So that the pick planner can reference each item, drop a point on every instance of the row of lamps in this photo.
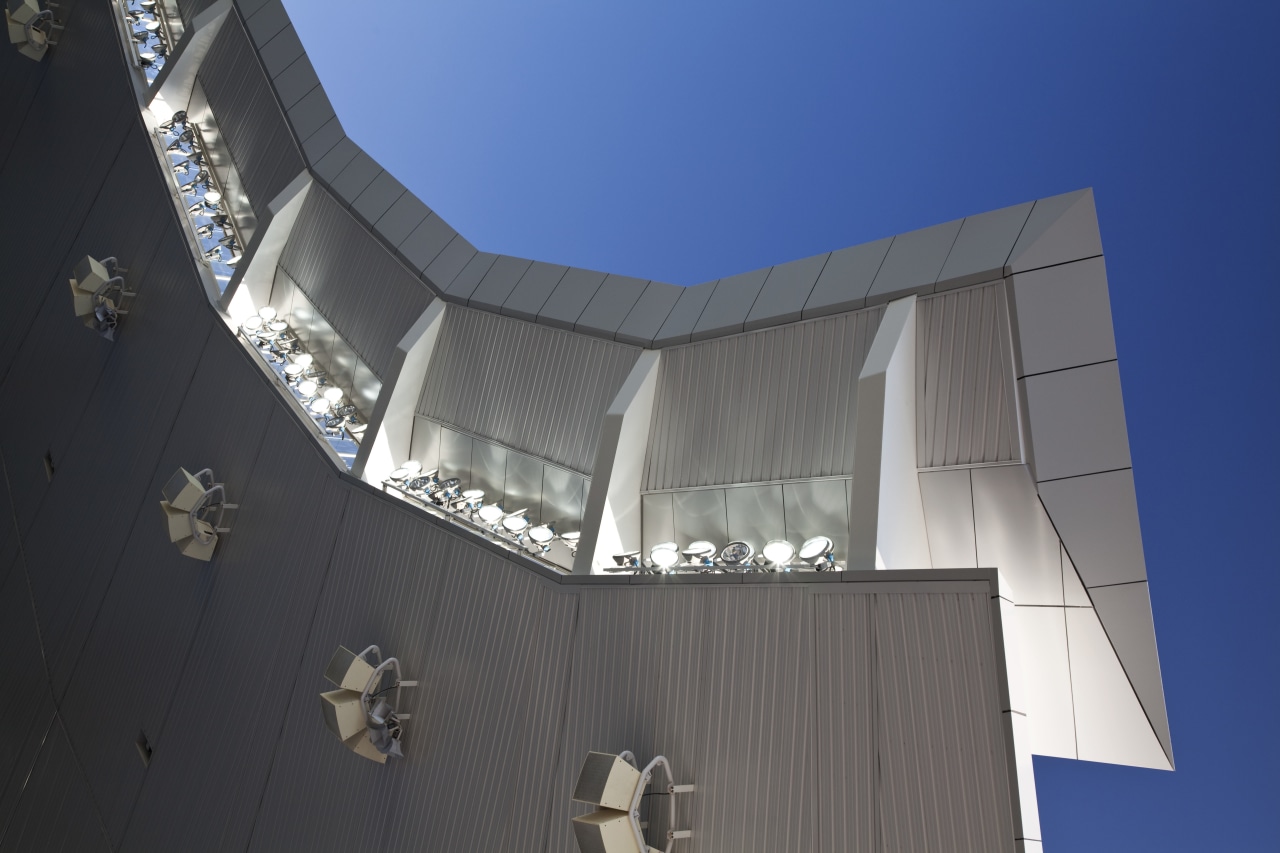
(778, 555)
(507, 526)
(147, 26)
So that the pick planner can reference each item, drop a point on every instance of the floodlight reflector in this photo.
(607, 781)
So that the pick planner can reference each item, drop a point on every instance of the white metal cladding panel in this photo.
(534, 389)
(56, 352)
(352, 280)
(943, 771)
(157, 597)
(56, 810)
(211, 763)
(108, 468)
(488, 644)
(846, 784)
(245, 108)
(771, 405)
(964, 379)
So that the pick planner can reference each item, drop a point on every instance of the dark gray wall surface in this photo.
(530, 388)
(776, 404)
(352, 280)
(253, 129)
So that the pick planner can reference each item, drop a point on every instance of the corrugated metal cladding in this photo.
(528, 387)
(252, 125)
(352, 280)
(55, 811)
(939, 708)
(231, 698)
(964, 379)
(810, 720)
(777, 404)
(188, 9)
(488, 643)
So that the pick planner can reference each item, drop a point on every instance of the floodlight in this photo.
(320, 405)
(515, 523)
(664, 555)
(817, 552)
(606, 781)
(490, 514)
(213, 197)
(303, 359)
(359, 713)
(343, 712)
(348, 670)
(333, 394)
(615, 785)
(307, 387)
(267, 313)
(200, 503)
(628, 559)
(779, 551)
(183, 491)
(737, 554)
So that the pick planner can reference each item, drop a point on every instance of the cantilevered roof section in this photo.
(1067, 474)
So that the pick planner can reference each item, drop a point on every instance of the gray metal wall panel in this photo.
(58, 352)
(524, 298)
(610, 305)
(624, 696)
(253, 128)
(56, 810)
(939, 708)
(503, 275)
(730, 303)
(189, 9)
(114, 690)
(567, 302)
(846, 775)
(488, 644)
(25, 702)
(914, 261)
(26, 740)
(644, 321)
(785, 292)
(678, 327)
(530, 388)
(818, 508)
(769, 405)
(361, 289)
(81, 93)
(964, 379)
(202, 792)
(150, 370)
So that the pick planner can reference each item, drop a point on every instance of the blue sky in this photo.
(687, 141)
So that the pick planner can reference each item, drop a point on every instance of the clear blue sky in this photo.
(686, 141)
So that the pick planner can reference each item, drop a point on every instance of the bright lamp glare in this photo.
(779, 551)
